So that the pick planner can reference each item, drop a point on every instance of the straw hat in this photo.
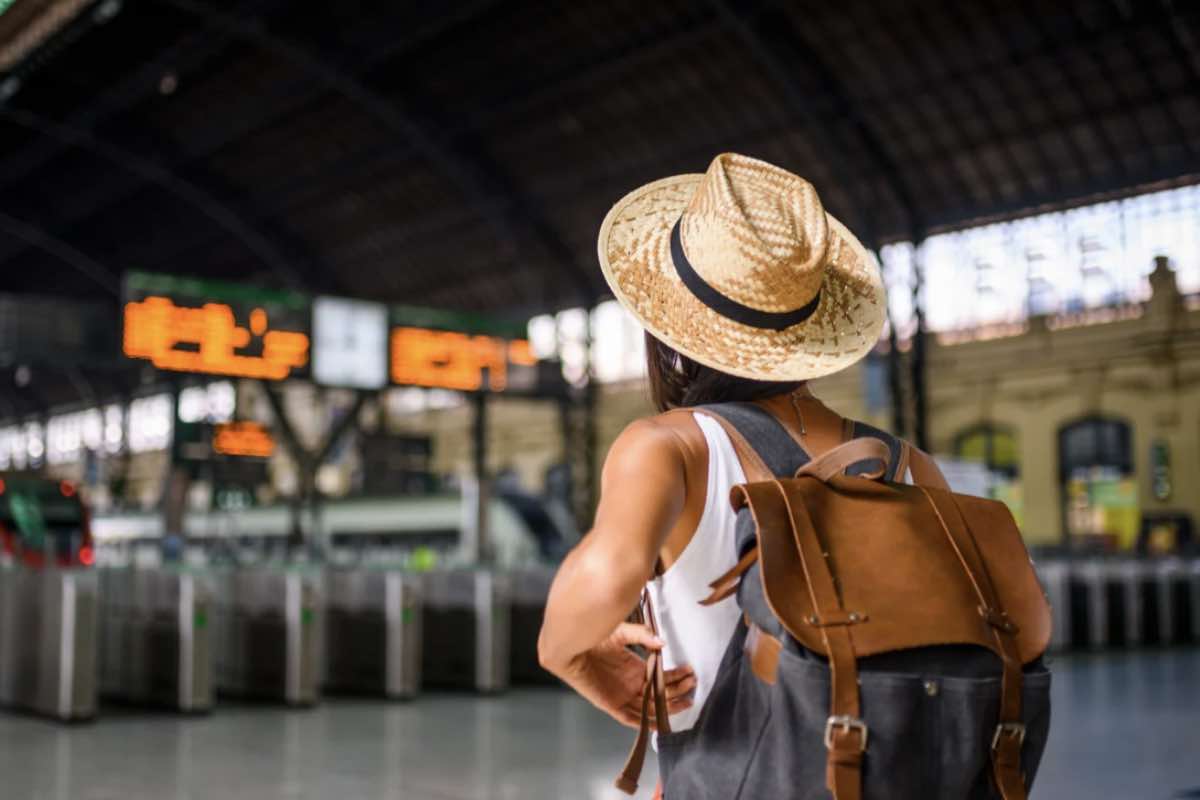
(742, 270)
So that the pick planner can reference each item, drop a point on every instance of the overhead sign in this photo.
(452, 360)
(350, 340)
(199, 442)
(457, 321)
(243, 439)
(206, 327)
(189, 325)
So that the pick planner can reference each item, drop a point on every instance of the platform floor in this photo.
(1126, 726)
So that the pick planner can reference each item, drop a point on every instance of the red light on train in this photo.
(2, 486)
(67, 489)
(86, 556)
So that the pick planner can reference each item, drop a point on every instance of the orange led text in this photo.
(243, 439)
(448, 360)
(155, 327)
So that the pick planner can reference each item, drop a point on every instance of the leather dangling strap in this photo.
(727, 583)
(845, 732)
(836, 461)
(653, 690)
(1010, 730)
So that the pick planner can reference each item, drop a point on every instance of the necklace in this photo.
(799, 414)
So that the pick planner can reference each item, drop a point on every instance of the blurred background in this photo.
(307, 368)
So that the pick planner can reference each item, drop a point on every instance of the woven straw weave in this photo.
(760, 236)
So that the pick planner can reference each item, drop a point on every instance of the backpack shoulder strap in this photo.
(764, 446)
(905, 457)
(925, 471)
(897, 461)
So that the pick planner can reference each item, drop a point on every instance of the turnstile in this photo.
(1192, 579)
(265, 633)
(1175, 613)
(48, 641)
(465, 630)
(530, 588)
(1090, 604)
(1055, 577)
(372, 632)
(1124, 602)
(155, 643)
(1139, 596)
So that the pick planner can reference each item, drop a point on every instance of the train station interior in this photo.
(309, 370)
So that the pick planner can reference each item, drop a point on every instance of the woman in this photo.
(747, 289)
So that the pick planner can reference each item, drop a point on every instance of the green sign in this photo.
(1160, 469)
(462, 322)
(27, 514)
(146, 283)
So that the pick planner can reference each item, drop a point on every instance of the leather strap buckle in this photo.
(847, 723)
(1016, 729)
(998, 619)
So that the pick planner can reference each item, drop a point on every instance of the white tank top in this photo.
(693, 634)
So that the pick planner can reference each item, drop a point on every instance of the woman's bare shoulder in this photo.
(672, 436)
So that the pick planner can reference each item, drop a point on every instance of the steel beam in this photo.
(782, 63)
(151, 171)
(1160, 95)
(36, 237)
(931, 123)
(1178, 172)
(918, 365)
(481, 183)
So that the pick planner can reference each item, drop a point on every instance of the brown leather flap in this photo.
(901, 583)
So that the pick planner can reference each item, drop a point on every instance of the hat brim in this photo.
(635, 254)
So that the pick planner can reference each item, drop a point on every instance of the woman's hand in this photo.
(612, 677)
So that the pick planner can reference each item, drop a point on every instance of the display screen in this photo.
(207, 327)
(217, 329)
(451, 360)
(243, 439)
(350, 343)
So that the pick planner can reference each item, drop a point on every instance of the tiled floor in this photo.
(1125, 726)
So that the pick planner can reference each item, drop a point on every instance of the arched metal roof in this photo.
(463, 154)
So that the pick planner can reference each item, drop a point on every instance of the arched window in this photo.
(995, 447)
(1095, 463)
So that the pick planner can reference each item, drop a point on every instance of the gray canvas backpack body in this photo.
(845, 695)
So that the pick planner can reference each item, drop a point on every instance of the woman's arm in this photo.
(641, 496)
(584, 634)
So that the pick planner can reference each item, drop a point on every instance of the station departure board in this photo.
(447, 350)
(208, 327)
(214, 328)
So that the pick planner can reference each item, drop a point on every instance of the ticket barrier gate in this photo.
(1192, 582)
(48, 641)
(372, 632)
(530, 588)
(155, 638)
(1123, 602)
(1055, 577)
(466, 630)
(266, 633)
(1178, 594)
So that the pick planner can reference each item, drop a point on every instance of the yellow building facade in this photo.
(1135, 367)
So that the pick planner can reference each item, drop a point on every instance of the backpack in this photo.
(893, 637)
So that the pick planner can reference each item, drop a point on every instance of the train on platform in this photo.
(430, 530)
(44, 522)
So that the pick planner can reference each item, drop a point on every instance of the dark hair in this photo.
(677, 381)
